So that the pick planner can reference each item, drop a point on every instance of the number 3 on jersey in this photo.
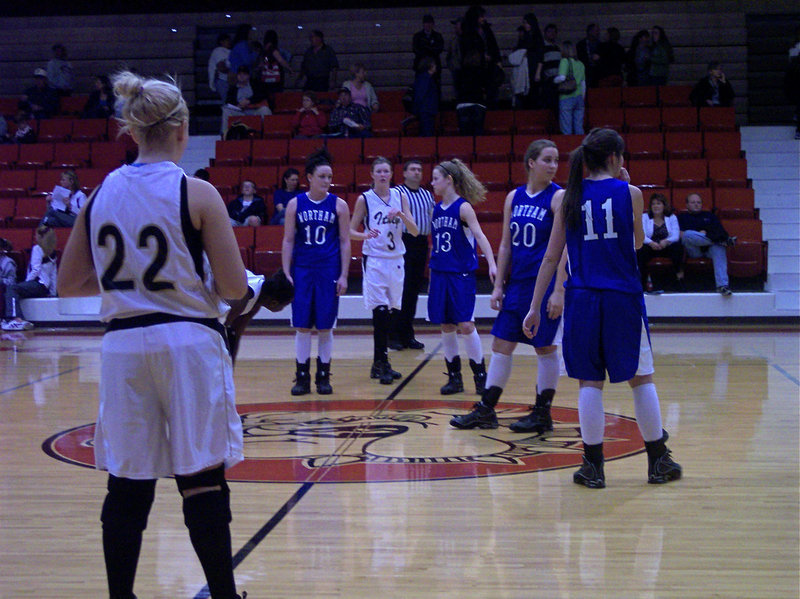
(108, 278)
(587, 213)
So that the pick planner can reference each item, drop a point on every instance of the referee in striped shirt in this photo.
(421, 203)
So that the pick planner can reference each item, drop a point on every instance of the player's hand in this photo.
(393, 213)
(492, 272)
(371, 233)
(289, 277)
(530, 325)
(555, 304)
(624, 174)
(496, 299)
(341, 285)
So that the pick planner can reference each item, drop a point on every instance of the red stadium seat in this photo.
(493, 148)
(642, 120)
(674, 95)
(604, 97)
(31, 207)
(344, 151)
(611, 118)
(418, 148)
(491, 210)
(461, 147)
(448, 122)
(499, 122)
(46, 180)
(717, 118)
(688, 173)
(391, 100)
(90, 178)
(648, 173)
(266, 178)
(493, 175)
(33, 156)
(300, 149)
(646, 95)
(17, 183)
(7, 206)
(566, 144)
(679, 118)
(728, 172)
(683, 144)
(644, 145)
(9, 153)
(254, 122)
(722, 144)
(52, 130)
(270, 151)
(735, 202)
(747, 259)
(277, 126)
(533, 122)
(233, 152)
(89, 129)
(225, 178)
(107, 154)
(71, 155)
(388, 147)
(268, 249)
(387, 124)
(750, 229)
(72, 105)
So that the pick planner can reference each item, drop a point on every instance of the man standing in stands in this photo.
(428, 42)
(421, 203)
(319, 67)
(550, 62)
(59, 71)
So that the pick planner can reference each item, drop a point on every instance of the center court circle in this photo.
(357, 441)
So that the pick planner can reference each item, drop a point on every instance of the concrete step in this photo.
(779, 215)
(784, 247)
(765, 199)
(782, 186)
(774, 172)
(783, 281)
(782, 264)
(788, 160)
(777, 133)
(788, 301)
(772, 147)
(781, 231)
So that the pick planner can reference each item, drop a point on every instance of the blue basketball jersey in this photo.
(530, 227)
(316, 240)
(453, 242)
(601, 252)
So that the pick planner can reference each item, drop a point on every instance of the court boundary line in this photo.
(318, 474)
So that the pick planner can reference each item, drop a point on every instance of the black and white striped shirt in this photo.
(421, 202)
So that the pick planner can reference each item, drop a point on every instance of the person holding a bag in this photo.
(571, 84)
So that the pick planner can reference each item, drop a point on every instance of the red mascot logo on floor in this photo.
(345, 441)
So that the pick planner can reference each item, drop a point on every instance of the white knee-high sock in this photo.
(548, 371)
(449, 345)
(302, 346)
(590, 415)
(499, 370)
(472, 343)
(648, 411)
(325, 345)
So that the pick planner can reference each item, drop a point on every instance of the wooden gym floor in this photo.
(369, 492)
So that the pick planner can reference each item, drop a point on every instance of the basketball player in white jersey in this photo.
(158, 247)
(382, 211)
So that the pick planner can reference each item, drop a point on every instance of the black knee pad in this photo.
(209, 507)
(128, 502)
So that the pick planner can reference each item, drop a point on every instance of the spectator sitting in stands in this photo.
(242, 99)
(24, 133)
(60, 72)
(219, 67)
(309, 121)
(662, 239)
(64, 202)
(318, 70)
(349, 119)
(100, 104)
(426, 97)
(290, 187)
(40, 99)
(249, 209)
(712, 90)
(40, 282)
(8, 269)
(361, 90)
(701, 232)
(203, 174)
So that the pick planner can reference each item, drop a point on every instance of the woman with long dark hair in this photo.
(599, 219)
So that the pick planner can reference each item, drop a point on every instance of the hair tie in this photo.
(140, 91)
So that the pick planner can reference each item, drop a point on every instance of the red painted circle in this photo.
(380, 441)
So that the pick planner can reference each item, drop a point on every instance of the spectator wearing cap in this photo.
(60, 73)
(40, 100)
(427, 42)
(349, 119)
(320, 65)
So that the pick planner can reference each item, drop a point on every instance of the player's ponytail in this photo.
(151, 108)
(594, 152)
(465, 182)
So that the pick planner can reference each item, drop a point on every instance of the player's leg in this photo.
(660, 466)
(472, 343)
(539, 418)
(440, 312)
(207, 515)
(124, 517)
(483, 413)
(322, 379)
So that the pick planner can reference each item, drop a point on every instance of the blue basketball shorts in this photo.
(451, 297)
(315, 301)
(516, 303)
(606, 331)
